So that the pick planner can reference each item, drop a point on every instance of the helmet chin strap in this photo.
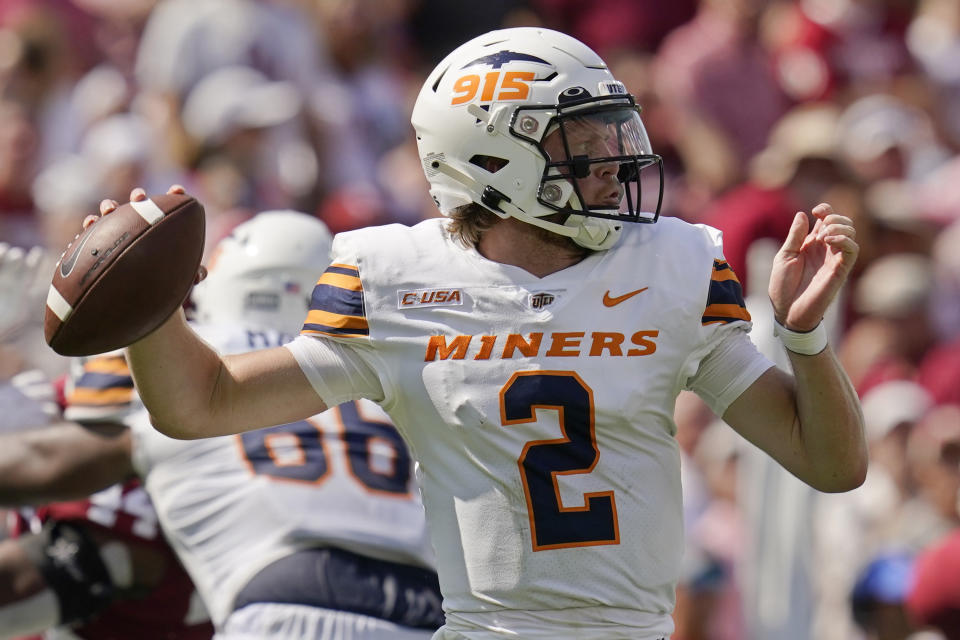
(592, 233)
(586, 232)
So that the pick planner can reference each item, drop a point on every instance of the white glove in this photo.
(25, 276)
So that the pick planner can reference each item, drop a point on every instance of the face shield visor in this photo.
(595, 151)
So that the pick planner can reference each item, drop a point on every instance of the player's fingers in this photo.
(176, 188)
(798, 230)
(106, 206)
(846, 245)
(89, 220)
(138, 194)
(822, 210)
(837, 218)
(837, 230)
(11, 255)
(201, 275)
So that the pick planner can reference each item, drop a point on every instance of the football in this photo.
(124, 275)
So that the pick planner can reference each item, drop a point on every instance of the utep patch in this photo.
(413, 298)
(542, 299)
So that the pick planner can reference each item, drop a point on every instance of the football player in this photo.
(89, 566)
(313, 529)
(530, 348)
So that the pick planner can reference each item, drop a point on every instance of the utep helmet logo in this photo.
(495, 84)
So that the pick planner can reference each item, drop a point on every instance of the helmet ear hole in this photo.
(489, 163)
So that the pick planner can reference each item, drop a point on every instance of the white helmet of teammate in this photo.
(262, 275)
(483, 114)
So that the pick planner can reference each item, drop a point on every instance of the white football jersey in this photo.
(232, 505)
(540, 410)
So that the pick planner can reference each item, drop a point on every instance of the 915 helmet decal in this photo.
(522, 121)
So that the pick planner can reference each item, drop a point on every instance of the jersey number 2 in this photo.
(554, 526)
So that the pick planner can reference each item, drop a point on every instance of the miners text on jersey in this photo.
(565, 344)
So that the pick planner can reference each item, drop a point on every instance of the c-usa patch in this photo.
(439, 297)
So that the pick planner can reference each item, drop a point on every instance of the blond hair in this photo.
(468, 222)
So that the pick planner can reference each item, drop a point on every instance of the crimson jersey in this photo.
(172, 610)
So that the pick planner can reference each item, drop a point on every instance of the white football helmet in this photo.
(261, 276)
(485, 111)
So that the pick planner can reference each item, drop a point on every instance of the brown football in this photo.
(124, 275)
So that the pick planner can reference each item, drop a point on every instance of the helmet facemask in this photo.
(594, 150)
(595, 139)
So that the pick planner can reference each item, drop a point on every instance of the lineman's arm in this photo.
(810, 422)
(63, 461)
(27, 606)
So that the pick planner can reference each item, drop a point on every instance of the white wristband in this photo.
(808, 343)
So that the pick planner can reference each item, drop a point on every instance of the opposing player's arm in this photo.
(193, 392)
(27, 606)
(70, 572)
(809, 422)
(64, 461)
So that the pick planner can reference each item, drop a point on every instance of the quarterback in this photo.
(530, 347)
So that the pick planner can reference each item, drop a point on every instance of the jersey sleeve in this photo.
(334, 349)
(726, 361)
(725, 302)
(728, 370)
(336, 305)
(100, 389)
(337, 371)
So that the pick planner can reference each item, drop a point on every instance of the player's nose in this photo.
(605, 169)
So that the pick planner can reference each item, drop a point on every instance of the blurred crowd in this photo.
(760, 108)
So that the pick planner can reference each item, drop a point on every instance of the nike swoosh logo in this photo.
(612, 302)
(68, 263)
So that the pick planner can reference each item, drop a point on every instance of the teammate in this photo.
(308, 530)
(530, 348)
(300, 531)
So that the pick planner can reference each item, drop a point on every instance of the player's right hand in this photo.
(137, 194)
(108, 205)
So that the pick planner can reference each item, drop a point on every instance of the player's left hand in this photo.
(811, 266)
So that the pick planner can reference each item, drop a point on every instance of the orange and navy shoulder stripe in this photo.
(725, 296)
(105, 382)
(336, 307)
